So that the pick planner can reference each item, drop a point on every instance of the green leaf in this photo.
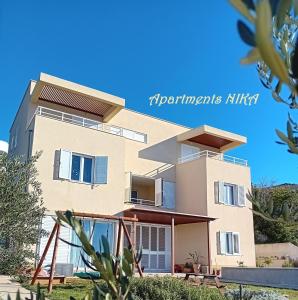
(242, 8)
(246, 33)
(295, 4)
(252, 56)
(105, 244)
(278, 87)
(290, 131)
(264, 42)
(282, 10)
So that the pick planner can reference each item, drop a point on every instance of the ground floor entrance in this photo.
(156, 246)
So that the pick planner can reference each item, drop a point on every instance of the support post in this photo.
(134, 226)
(132, 249)
(208, 245)
(52, 272)
(173, 246)
(44, 254)
(118, 238)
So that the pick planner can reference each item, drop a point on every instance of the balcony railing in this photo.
(88, 123)
(213, 155)
(142, 201)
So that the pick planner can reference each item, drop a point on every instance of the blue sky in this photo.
(135, 49)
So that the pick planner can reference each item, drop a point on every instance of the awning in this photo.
(212, 137)
(62, 92)
(159, 216)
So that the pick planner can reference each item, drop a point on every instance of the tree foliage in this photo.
(275, 211)
(272, 36)
(20, 212)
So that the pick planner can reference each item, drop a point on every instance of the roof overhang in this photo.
(159, 216)
(212, 137)
(55, 90)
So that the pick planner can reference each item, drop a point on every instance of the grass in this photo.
(78, 288)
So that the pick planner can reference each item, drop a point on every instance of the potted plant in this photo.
(187, 267)
(195, 257)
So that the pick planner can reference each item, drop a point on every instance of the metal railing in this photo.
(88, 123)
(142, 201)
(213, 155)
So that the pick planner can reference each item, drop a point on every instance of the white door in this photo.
(155, 240)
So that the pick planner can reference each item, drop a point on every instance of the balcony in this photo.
(213, 155)
(144, 190)
(91, 124)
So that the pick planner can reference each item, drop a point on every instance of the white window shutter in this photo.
(222, 242)
(127, 186)
(65, 164)
(236, 243)
(101, 170)
(221, 192)
(168, 194)
(216, 191)
(241, 196)
(235, 194)
(158, 192)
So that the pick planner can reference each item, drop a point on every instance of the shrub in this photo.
(168, 288)
(295, 263)
(253, 295)
(287, 264)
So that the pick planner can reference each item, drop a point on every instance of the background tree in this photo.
(21, 212)
(275, 211)
(272, 35)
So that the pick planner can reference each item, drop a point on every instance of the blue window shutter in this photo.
(65, 164)
(101, 170)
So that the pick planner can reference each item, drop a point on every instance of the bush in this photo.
(168, 288)
(295, 263)
(253, 295)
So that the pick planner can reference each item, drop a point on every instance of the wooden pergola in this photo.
(172, 218)
(132, 215)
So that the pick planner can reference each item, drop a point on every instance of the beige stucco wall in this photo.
(277, 249)
(188, 239)
(230, 218)
(191, 187)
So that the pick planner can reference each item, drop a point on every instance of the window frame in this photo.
(233, 186)
(231, 243)
(82, 162)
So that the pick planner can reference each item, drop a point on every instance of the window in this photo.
(81, 168)
(229, 194)
(228, 243)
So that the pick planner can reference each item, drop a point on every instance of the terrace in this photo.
(91, 124)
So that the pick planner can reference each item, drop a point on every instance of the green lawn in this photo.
(78, 288)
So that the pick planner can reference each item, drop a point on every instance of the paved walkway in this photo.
(9, 286)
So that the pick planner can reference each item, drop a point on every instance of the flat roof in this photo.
(56, 90)
(212, 137)
(161, 216)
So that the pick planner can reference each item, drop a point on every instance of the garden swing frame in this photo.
(56, 233)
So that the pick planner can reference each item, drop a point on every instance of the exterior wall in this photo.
(22, 126)
(190, 238)
(277, 249)
(63, 194)
(191, 187)
(230, 218)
